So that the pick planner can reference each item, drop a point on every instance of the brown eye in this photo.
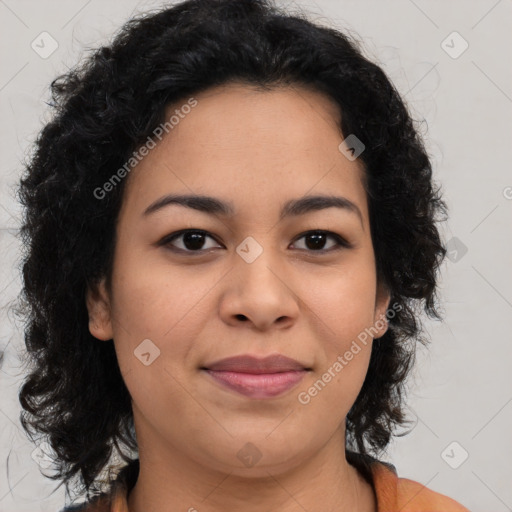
(193, 240)
(316, 240)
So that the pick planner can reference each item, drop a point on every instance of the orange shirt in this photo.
(394, 494)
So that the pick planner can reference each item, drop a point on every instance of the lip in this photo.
(262, 385)
(246, 363)
(256, 377)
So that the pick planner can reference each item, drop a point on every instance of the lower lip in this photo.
(265, 385)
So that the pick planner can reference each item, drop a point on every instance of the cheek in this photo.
(343, 305)
(157, 310)
(345, 356)
(152, 297)
(325, 400)
(152, 336)
(342, 301)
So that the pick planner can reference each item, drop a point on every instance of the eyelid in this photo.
(341, 242)
(167, 239)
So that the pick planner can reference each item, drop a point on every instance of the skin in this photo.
(257, 150)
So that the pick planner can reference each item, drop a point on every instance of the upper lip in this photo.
(257, 365)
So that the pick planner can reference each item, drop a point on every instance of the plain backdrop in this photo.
(448, 60)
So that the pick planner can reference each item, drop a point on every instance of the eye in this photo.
(193, 240)
(317, 240)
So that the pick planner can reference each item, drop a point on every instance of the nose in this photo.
(260, 292)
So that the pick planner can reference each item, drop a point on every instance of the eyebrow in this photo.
(218, 208)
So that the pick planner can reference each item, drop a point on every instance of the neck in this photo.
(170, 480)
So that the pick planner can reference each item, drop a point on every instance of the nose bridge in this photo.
(250, 250)
(257, 260)
(259, 269)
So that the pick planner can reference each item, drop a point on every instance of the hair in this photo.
(104, 109)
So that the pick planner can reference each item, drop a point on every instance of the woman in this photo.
(230, 223)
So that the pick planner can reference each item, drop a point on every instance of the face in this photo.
(251, 281)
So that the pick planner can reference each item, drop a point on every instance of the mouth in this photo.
(255, 377)
(262, 385)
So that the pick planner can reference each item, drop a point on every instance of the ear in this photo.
(98, 306)
(382, 300)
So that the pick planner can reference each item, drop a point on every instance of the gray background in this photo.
(461, 389)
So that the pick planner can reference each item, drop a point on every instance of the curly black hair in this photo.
(104, 109)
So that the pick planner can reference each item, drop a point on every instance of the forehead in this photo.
(255, 145)
(238, 104)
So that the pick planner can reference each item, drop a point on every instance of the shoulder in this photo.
(415, 497)
(402, 494)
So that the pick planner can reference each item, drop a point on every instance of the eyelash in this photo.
(341, 242)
